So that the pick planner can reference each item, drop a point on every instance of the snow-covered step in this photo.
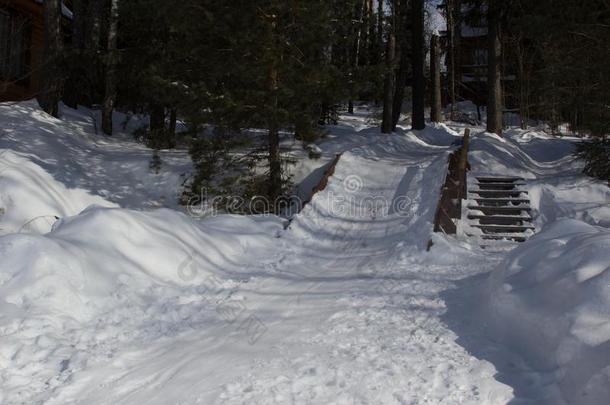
(498, 179)
(498, 210)
(515, 237)
(495, 202)
(500, 219)
(497, 228)
(498, 186)
(498, 193)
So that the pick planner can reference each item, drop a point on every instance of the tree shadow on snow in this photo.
(463, 317)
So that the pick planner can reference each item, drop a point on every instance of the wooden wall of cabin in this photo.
(26, 86)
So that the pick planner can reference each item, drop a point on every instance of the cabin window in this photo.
(14, 47)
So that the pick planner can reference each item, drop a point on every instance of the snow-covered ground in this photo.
(123, 302)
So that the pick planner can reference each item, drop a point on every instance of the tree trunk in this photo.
(112, 57)
(388, 86)
(403, 68)
(522, 80)
(454, 30)
(275, 167)
(419, 78)
(356, 58)
(275, 164)
(53, 45)
(494, 71)
(372, 37)
(399, 91)
(379, 32)
(94, 25)
(451, 51)
(79, 23)
(157, 126)
(171, 132)
(457, 50)
(363, 54)
(435, 78)
(73, 86)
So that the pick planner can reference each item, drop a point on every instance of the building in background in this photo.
(471, 60)
(21, 47)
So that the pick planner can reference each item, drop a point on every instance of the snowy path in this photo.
(349, 310)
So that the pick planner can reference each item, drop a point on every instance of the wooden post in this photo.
(463, 163)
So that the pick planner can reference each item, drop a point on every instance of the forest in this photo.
(224, 67)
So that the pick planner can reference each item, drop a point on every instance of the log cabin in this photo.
(21, 47)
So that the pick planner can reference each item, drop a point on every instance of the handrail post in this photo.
(463, 162)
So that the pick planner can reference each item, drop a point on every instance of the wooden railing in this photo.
(453, 191)
(321, 185)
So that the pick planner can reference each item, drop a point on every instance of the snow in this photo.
(126, 299)
(54, 167)
(550, 300)
(32, 200)
(112, 275)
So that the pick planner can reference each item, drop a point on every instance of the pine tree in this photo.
(419, 78)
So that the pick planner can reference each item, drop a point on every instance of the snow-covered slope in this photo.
(122, 303)
(550, 301)
(53, 159)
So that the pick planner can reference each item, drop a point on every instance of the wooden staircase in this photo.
(498, 210)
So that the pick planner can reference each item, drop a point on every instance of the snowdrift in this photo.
(31, 199)
(110, 275)
(550, 301)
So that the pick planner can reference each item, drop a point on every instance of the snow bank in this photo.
(31, 199)
(109, 275)
(550, 301)
(48, 156)
(439, 134)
